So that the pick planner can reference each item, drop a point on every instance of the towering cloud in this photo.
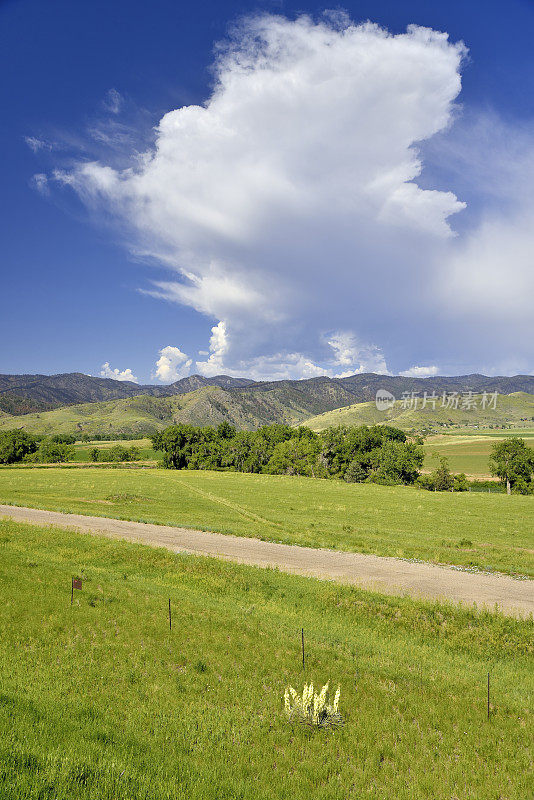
(117, 374)
(287, 206)
(172, 364)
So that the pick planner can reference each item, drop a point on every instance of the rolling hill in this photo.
(516, 409)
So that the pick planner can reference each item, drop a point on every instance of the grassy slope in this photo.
(101, 702)
(489, 531)
(147, 453)
(130, 415)
(467, 453)
(515, 409)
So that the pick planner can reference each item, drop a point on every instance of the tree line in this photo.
(381, 454)
(18, 445)
(378, 454)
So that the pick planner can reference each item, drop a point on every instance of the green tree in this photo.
(50, 452)
(513, 462)
(296, 456)
(442, 477)
(63, 438)
(94, 453)
(397, 462)
(460, 483)
(16, 445)
(177, 443)
(116, 453)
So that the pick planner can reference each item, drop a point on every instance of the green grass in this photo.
(488, 531)
(468, 453)
(147, 453)
(100, 701)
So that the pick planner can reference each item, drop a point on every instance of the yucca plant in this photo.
(313, 709)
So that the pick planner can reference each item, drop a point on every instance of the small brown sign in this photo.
(76, 583)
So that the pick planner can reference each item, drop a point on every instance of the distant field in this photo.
(469, 453)
(147, 453)
(515, 409)
(487, 531)
(100, 701)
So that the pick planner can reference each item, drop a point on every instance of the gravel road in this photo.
(389, 575)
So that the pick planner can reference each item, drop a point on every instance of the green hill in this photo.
(132, 415)
(516, 410)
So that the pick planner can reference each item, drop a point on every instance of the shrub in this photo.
(313, 709)
(460, 483)
(426, 482)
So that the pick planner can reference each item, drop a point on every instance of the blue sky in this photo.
(223, 256)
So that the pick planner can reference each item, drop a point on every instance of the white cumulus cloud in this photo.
(117, 374)
(214, 365)
(288, 204)
(172, 364)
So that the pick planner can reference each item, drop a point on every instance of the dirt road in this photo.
(389, 575)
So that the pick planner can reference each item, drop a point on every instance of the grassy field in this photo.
(515, 409)
(100, 701)
(468, 453)
(491, 532)
(147, 453)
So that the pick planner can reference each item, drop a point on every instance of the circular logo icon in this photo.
(384, 400)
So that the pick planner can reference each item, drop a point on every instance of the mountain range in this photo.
(22, 394)
(78, 403)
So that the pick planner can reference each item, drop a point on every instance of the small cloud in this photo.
(40, 182)
(113, 101)
(117, 374)
(36, 144)
(172, 364)
(420, 372)
(218, 348)
(355, 356)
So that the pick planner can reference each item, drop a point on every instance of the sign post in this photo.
(75, 584)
